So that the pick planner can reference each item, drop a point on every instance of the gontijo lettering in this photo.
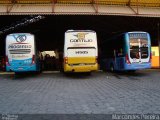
(80, 40)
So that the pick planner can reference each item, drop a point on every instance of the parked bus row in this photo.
(129, 51)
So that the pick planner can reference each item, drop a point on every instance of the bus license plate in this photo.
(134, 59)
(20, 68)
(81, 64)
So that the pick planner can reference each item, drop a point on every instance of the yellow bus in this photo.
(155, 57)
(80, 51)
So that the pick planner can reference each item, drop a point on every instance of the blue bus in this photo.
(21, 54)
(129, 51)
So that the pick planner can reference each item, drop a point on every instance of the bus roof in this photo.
(123, 33)
(80, 31)
(137, 32)
(19, 33)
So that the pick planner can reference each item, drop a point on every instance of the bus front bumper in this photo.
(80, 68)
(137, 66)
(21, 68)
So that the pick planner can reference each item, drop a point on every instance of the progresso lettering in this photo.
(80, 40)
(19, 46)
(81, 52)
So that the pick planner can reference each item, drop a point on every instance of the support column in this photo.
(158, 37)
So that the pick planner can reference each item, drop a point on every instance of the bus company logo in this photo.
(81, 38)
(21, 38)
(81, 35)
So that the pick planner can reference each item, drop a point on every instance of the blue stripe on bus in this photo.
(21, 65)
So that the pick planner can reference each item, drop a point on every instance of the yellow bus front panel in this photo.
(155, 57)
(81, 64)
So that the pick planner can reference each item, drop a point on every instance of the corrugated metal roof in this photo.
(74, 8)
(95, 7)
(149, 3)
(25, 9)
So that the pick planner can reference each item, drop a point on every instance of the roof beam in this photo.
(137, 9)
(137, 2)
(95, 6)
(129, 3)
(53, 5)
(9, 7)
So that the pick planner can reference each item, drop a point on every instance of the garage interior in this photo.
(49, 31)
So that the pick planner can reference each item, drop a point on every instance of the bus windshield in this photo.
(20, 46)
(138, 45)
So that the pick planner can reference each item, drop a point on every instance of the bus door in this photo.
(139, 51)
(119, 59)
(115, 59)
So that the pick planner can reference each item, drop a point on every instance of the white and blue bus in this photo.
(21, 55)
(129, 51)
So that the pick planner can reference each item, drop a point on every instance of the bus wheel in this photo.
(111, 68)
